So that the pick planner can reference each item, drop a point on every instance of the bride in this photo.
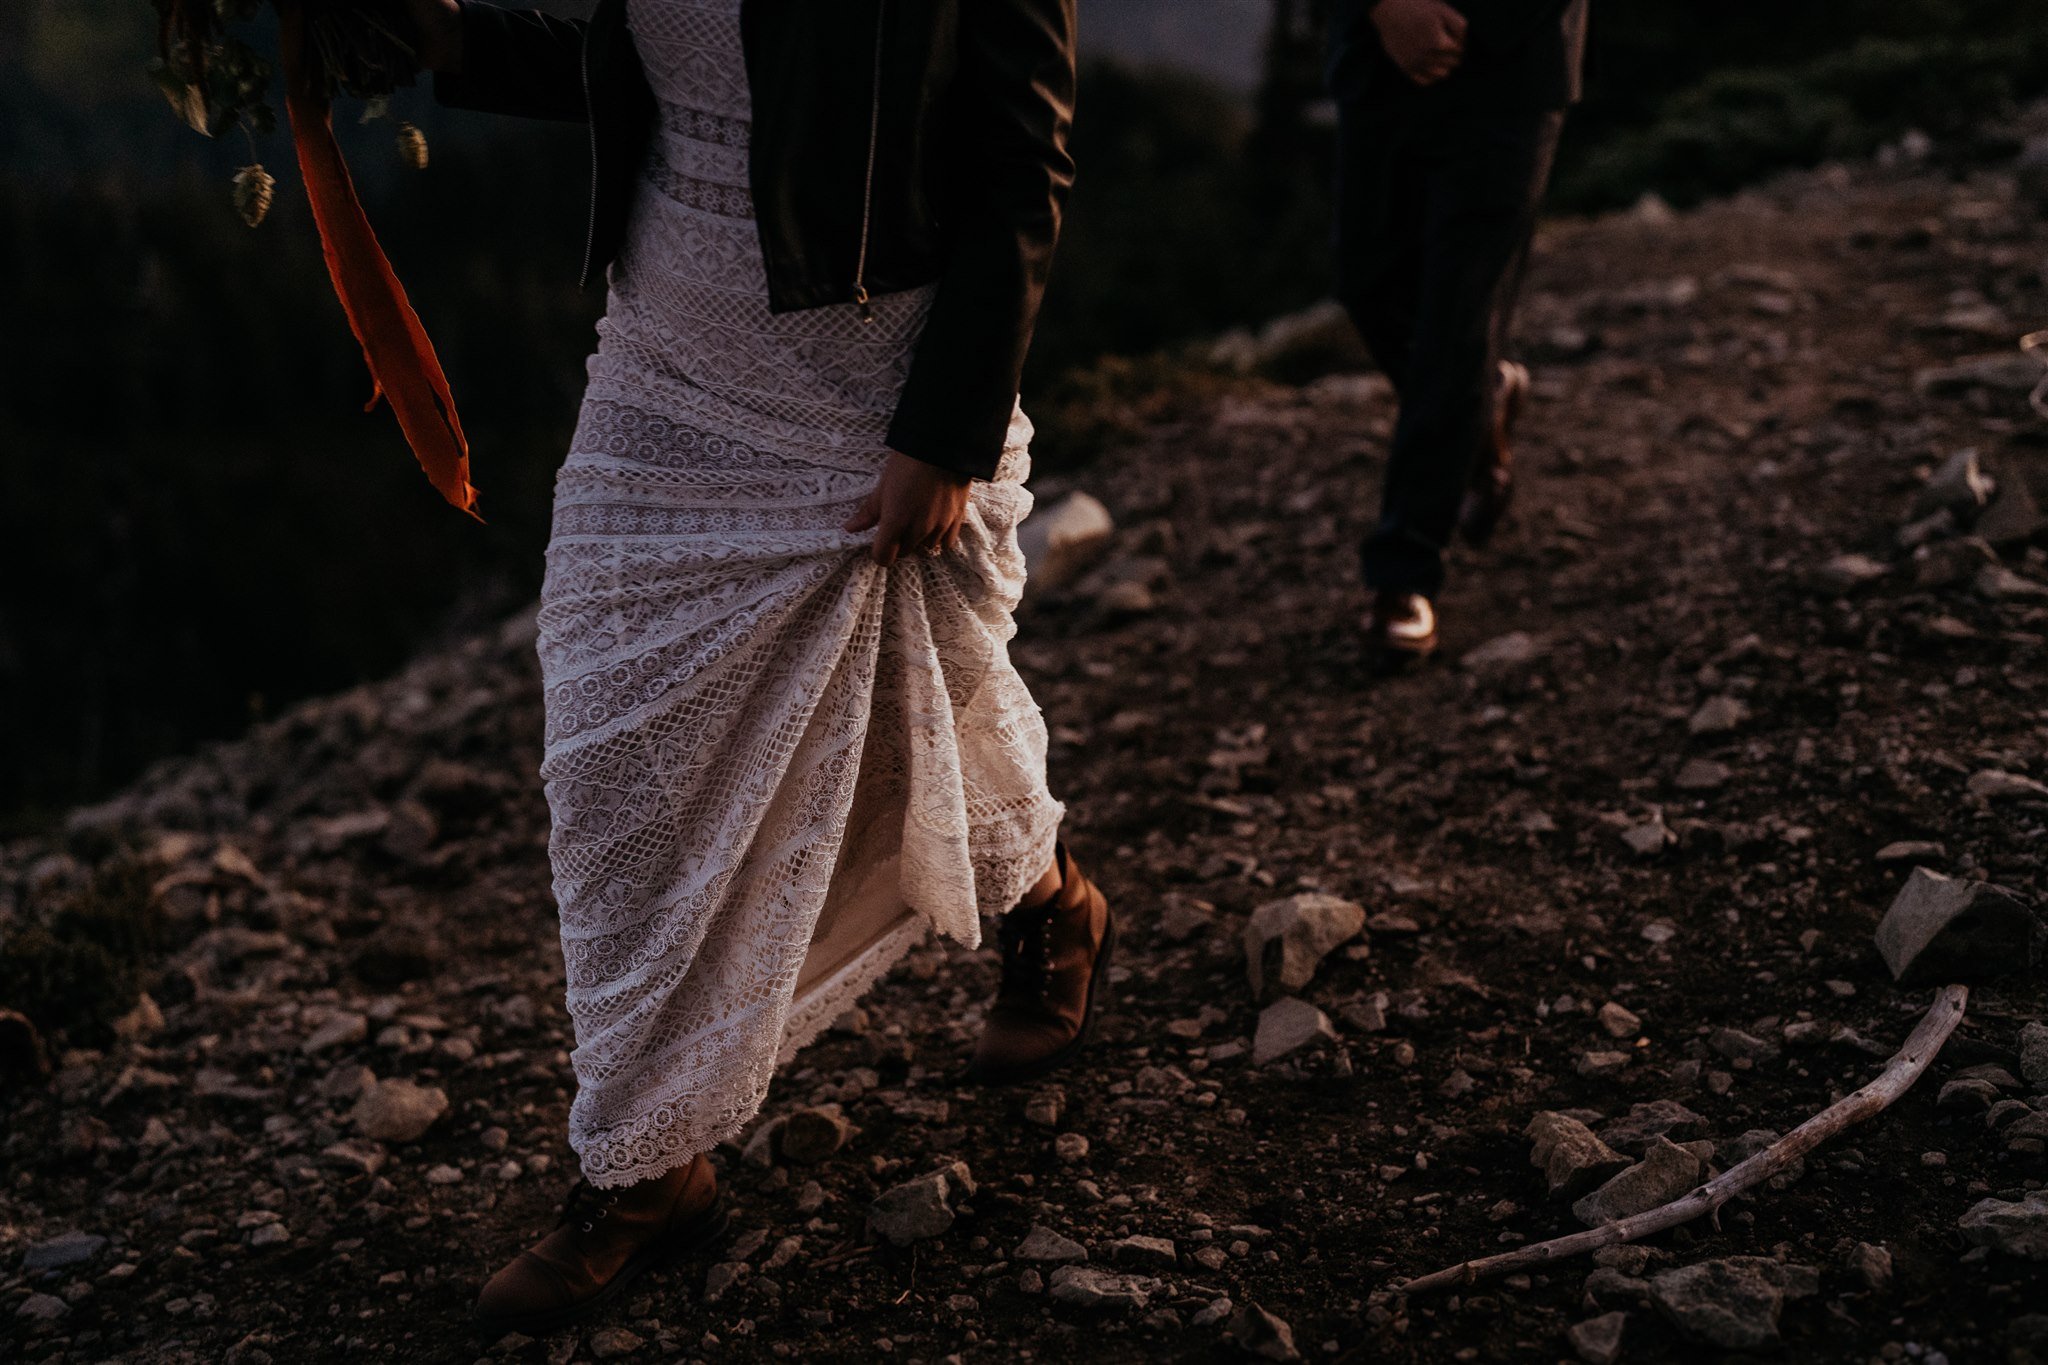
(784, 736)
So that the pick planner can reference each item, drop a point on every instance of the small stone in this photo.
(1872, 1267)
(366, 1158)
(1665, 1172)
(1043, 1244)
(339, 1029)
(1288, 1025)
(1571, 1158)
(1045, 1107)
(1966, 1093)
(1995, 785)
(611, 1343)
(1742, 1048)
(1996, 583)
(1940, 930)
(269, 1235)
(1259, 1333)
(2016, 1227)
(1620, 1021)
(65, 1249)
(1600, 1065)
(398, 1111)
(763, 1143)
(1070, 1147)
(1086, 1287)
(719, 1280)
(1845, 573)
(42, 1308)
(444, 1174)
(1287, 940)
(812, 1135)
(2034, 1054)
(1911, 851)
(1733, 1303)
(1649, 838)
(1141, 1250)
(1718, 716)
(1703, 775)
(1598, 1340)
(1516, 649)
(1060, 542)
(920, 1209)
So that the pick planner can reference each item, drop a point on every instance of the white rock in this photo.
(398, 1111)
(1287, 940)
(1061, 541)
(1993, 784)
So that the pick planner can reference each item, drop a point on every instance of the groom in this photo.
(1448, 120)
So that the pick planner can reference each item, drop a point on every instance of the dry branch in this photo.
(1898, 1076)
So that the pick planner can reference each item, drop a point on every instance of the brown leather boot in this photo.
(604, 1241)
(1400, 629)
(1055, 979)
(1493, 482)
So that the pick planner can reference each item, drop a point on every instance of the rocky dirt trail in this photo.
(1603, 884)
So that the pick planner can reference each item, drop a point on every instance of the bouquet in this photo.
(364, 49)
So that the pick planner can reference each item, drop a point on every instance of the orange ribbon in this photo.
(402, 362)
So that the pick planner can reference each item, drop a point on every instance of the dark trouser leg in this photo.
(1380, 203)
(1478, 180)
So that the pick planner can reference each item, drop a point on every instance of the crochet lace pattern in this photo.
(751, 726)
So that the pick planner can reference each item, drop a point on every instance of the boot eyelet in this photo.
(588, 1228)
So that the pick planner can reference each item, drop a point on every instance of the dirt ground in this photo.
(1726, 402)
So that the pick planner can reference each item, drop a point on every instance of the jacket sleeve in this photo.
(1014, 102)
(518, 62)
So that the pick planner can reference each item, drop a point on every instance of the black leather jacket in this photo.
(895, 143)
(1519, 54)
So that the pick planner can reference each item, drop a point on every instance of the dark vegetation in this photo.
(196, 524)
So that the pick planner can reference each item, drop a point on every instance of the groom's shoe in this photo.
(1493, 482)
(1055, 980)
(604, 1241)
(1400, 630)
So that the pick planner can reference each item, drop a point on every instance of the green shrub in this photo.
(81, 967)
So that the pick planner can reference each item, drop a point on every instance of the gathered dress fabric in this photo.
(773, 766)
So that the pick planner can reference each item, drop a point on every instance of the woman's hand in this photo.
(916, 508)
(438, 24)
(1426, 38)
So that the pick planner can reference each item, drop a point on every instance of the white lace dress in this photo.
(772, 765)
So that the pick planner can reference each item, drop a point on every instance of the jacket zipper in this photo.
(867, 198)
(596, 168)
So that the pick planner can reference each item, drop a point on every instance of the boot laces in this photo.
(588, 1205)
(1027, 949)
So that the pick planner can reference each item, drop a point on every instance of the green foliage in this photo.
(77, 969)
(1738, 124)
